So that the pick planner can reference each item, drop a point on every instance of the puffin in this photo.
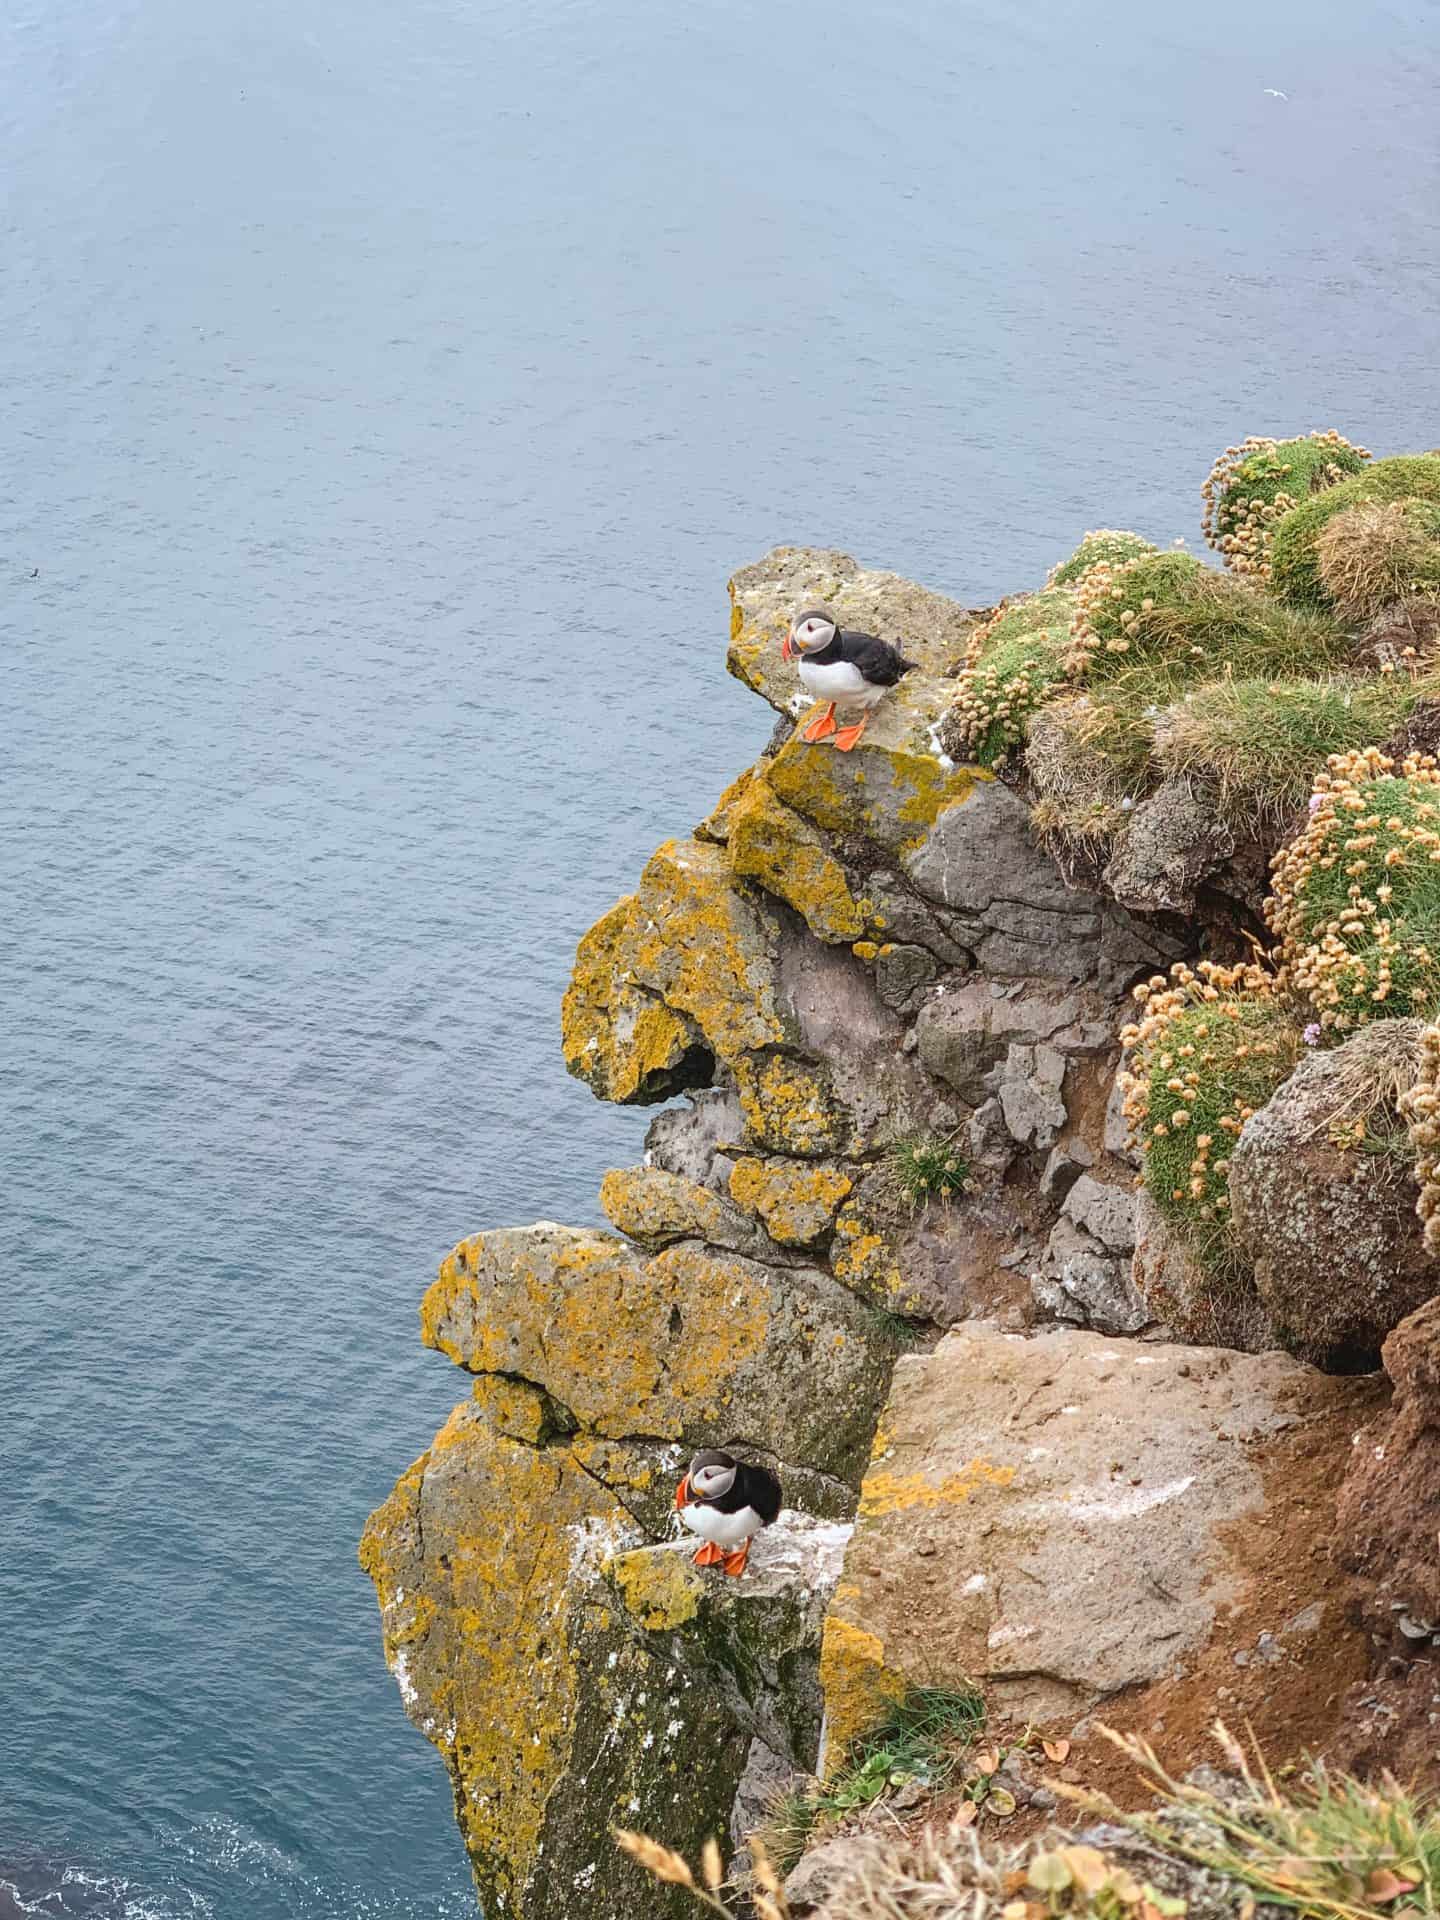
(848, 670)
(726, 1503)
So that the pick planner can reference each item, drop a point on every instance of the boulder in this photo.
(1062, 1518)
(1329, 1227)
(688, 1344)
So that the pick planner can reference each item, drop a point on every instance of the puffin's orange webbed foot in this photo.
(709, 1555)
(821, 724)
(846, 737)
(734, 1563)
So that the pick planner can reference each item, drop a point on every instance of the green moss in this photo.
(1294, 561)
(1172, 615)
(1206, 1069)
(1270, 473)
(1014, 674)
(1105, 544)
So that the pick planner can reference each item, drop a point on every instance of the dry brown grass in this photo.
(1378, 552)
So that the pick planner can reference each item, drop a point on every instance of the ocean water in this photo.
(389, 391)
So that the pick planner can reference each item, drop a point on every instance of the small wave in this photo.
(214, 1870)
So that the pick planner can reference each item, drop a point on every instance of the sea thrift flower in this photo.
(1311, 1035)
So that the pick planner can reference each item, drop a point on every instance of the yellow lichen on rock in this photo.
(770, 844)
(893, 794)
(863, 1258)
(480, 1658)
(884, 1492)
(513, 1407)
(693, 939)
(649, 1204)
(620, 1039)
(789, 1108)
(661, 1590)
(579, 1312)
(859, 1687)
(796, 1202)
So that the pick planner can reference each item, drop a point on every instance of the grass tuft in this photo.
(1376, 553)
(1105, 543)
(1294, 553)
(1255, 745)
(929, 1168)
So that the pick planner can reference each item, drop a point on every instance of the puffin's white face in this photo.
(809, 632)
(711, 1482)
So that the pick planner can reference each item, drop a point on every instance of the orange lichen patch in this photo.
(859, 1688)
(482, 1657)
(617, 1036)
(629, 1346)
(884, 1492)
(699, 943)
(863, 1258)
(649, 1204)
(772, 845)
(796, 1203)
(718, 822)
(662, 1590)
(894, 794)
(789, 1108)
(513, 1407)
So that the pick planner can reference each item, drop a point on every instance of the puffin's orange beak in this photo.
(787, 648)
(682, 1492)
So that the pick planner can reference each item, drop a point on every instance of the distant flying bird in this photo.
(1275, 93)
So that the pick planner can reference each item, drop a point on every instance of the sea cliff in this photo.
(1036, 1185)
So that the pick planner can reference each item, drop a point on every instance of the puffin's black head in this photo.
(711, 1474)
(809, 631)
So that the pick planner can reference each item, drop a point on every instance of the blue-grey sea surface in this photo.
(388, 390)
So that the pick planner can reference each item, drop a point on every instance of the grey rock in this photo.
(965, 1031)
(903, 975)
(1174, 842)
(1063, 1169)
(1338, 1254)
(1081, 1280)
(823, 1870)
(1106, 1213)
(987, 1138)
(1029, 1087)
(981, 862)
(688, 1140)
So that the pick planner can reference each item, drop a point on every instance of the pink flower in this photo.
(1311, 1035)
(1315, 803)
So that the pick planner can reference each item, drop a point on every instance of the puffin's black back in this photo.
(760, 1489)
(880, 664)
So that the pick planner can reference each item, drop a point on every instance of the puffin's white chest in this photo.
(840, 681)
(724, 1529)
